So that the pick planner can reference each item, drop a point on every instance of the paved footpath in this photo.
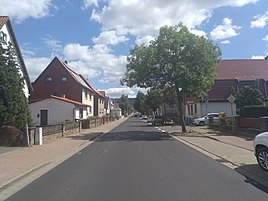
(21, 166)
(231, 150)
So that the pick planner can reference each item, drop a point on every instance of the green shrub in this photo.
(254, 111)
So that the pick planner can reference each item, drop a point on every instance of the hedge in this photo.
(254, 111)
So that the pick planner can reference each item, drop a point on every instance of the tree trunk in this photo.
(180, 107)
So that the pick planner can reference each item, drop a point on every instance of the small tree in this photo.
(177, 59)
(124, 105)
(139, 104)
(248, 96)
(153, 100)
(13, 103)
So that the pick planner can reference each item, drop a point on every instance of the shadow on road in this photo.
(255, 176)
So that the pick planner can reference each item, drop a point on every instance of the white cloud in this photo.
(261, 21)
(144, 39)
(118, 92)
(100, 58)
(224, 31)
(54, 45)
(225, 42)
(109, 38)
(257, 57)
(145, 17)
(19, 10)
(265, 38)
(35, 66)
(198, 32)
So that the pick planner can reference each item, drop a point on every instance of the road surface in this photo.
(137, 162)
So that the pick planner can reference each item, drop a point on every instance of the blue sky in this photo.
(95, 36)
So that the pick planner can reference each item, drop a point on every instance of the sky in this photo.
(95, 36)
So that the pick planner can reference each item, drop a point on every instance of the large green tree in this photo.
(13, 103)
(176, 59)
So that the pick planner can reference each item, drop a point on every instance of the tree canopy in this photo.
(248, 96)
(13, 103)
(176, 59)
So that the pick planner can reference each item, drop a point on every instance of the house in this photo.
(231, 75)
(99, 99)
(7, 35)
(60, 81)
(54, 110)
(115, 109)
(107, 103)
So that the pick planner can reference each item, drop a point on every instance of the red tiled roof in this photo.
(221, 89)
(244, 69)
(62, 99)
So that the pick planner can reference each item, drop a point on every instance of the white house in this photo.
(55, 110)
(7, 35)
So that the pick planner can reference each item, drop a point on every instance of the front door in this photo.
(44, 118)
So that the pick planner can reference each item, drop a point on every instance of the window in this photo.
(81, 113)
(63, 79)
(3, 37)
(49, 79)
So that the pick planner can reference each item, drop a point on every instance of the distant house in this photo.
(7, 35)
(99, 99)
(60, 81)
(231, 75)
(115, 109)
(54, 110)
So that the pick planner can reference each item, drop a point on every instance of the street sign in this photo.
(231, 98)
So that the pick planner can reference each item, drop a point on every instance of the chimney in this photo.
(66, 62)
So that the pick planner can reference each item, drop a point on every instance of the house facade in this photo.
(7, 35)
(59, 80)
(99, 99)
(54, 110)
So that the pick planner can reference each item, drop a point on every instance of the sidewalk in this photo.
(17, 164)
(231, 150)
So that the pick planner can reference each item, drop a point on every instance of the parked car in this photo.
(204, 120)
(144, 117)
(260, 146)
(158, 120)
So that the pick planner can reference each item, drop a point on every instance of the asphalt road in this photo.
(136, 162)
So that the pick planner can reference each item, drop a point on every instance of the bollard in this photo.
(38, 139)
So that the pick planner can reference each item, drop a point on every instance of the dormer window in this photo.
(49, 79)
(3, 37)
(63, 79)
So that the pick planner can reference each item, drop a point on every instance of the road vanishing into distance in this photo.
(137, 162)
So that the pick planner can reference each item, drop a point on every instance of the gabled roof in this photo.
(61, 99)
(4, 20)
(221, 89)
(89, 84)
(243, 69)
(73, 74)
